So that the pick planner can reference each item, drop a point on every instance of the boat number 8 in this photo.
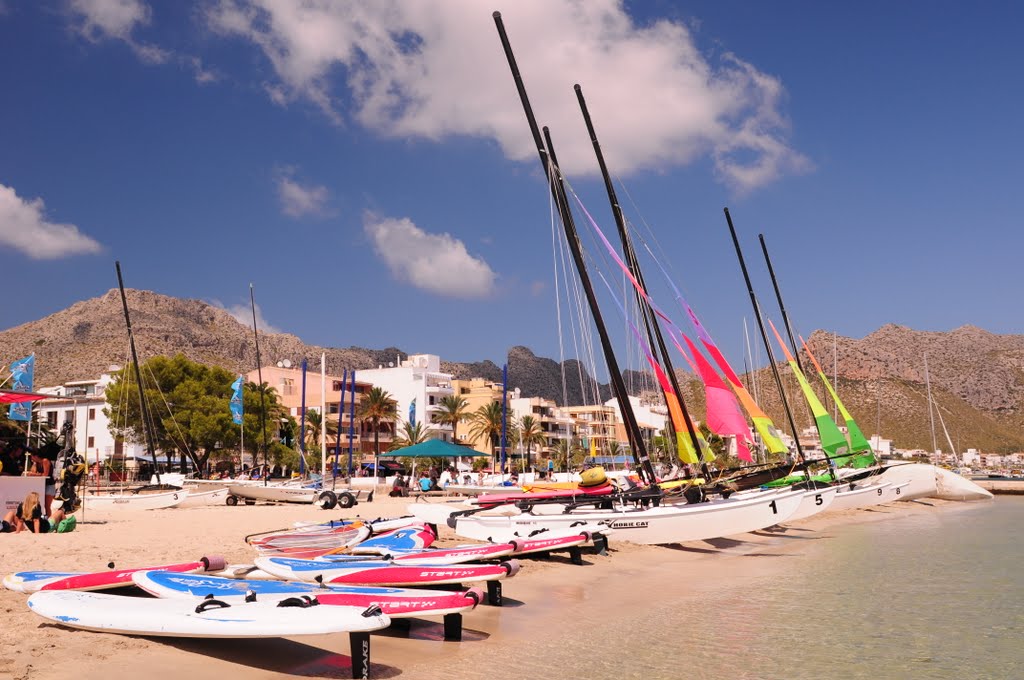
(817, 499)
(775, 510)
(898, 491)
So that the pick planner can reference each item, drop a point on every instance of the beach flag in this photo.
(21, 375)
(237, 409)
(412, 413)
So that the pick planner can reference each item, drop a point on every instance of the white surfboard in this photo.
(206, 619)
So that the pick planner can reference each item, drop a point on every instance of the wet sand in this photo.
(547, 599)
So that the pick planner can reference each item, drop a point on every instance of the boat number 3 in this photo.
(817, 499)
(775, 510)
(175, 496)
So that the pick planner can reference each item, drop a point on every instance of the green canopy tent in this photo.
(432, 448)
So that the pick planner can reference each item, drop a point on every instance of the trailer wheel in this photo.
(231, 500)
(327, 500)
(346, 500)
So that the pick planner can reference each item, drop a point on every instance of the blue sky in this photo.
(368, 166)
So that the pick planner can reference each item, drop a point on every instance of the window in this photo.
(69, 417)
(91, 443)
(92, 416)
(51, 419)
(337, 386)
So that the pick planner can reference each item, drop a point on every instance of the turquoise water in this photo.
(925, 595)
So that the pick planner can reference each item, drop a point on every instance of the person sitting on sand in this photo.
(43, 467)
(400, 487)
(29, 516)
(424, 482)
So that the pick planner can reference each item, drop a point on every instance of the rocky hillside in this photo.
(977, 377)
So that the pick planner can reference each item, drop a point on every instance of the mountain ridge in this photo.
(977, 377)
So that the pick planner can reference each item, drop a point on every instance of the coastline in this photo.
(546, 596)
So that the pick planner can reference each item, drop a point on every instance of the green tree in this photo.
(568, 453)
(531, 434)
(486, 424)
(452, 410)
(410, 435)
(377, 407)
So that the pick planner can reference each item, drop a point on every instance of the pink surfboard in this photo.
(525, 546)
(115, 578)
(382, 573)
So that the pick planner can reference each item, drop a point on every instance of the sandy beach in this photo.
(546, 596)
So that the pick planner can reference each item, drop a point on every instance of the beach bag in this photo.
(67, 524)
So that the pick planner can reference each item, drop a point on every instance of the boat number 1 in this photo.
(775, 510)
(817, 499)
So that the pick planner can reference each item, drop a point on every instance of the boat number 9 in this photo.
(817, 499)
(775, 510)
(879, 492)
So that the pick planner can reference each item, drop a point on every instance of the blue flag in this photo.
(236, 401)
(412, 413)
(21, 375)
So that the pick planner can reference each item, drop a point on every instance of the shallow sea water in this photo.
(931, 595)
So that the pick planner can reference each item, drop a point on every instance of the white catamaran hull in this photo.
(661, 525)
(927, 481)
(864, 495)
(814, 501)
(134, 501)
(275, 494)
(199, 498)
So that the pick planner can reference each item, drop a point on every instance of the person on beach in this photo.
(400, 487)
(29, 517)
(43, 467)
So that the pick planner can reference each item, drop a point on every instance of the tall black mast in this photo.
(263, 391)
(789, 330)
(553, 174)
(138, 375)
(782, 307)
(654, 335)
(764, 337)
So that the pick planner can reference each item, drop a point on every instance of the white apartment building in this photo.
(418, 378)
(554, 422)
(82, 403)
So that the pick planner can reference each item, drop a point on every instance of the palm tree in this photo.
(567, 452)
(486, 423)
(452, 410)
(411, 435)
(376, 406)
(313, 421)
(530, 434)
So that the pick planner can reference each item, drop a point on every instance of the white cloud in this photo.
(433, 68)
(438, 263)
(98, 20)
(298, 200)
(24, 227)
(242, 313)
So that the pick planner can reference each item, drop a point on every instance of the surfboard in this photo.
(441, 556)
(382, 573)
(542, 543)
(395, 602)
(205, 619)
(32, 581)
(407, 539)
(327, 539)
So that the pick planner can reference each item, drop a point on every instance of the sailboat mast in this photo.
(151, 449)
(764, 337)
(636, 440)
(789, 328)
(931, 414)
(654, 335)
(263, 390)
(632, 429)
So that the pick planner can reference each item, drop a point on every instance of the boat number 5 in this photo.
(775, 510)
(817, 499)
